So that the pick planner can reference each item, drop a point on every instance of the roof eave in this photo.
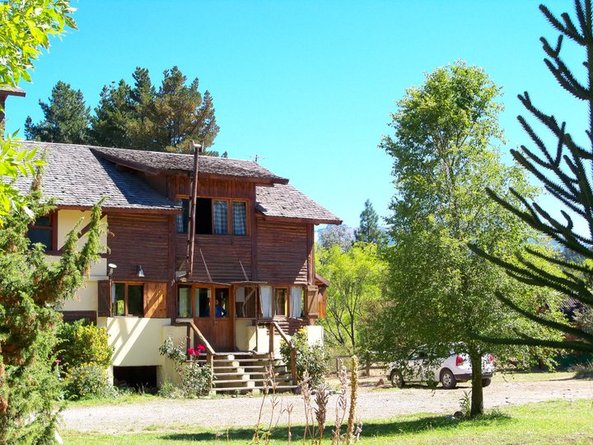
(108, 209)
(301, 220)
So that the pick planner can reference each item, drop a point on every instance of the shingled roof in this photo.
(75, 177)
(78, 176)
(284, 201)
(176, 163)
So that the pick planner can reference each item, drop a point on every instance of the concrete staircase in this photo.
(243, 372)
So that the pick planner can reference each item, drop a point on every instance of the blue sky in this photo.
(307, 86)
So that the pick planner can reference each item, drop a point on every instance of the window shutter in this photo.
(104, 297)
(312, 300)
(155, 300)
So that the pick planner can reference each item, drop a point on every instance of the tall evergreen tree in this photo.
(369, 231)
(143, 117)
(564, 169)
(66, 117)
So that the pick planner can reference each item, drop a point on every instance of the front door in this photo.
(214, 316)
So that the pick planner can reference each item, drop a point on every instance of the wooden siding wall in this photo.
(282, 252)
(137, 239)
(217, 188)
(222, 254)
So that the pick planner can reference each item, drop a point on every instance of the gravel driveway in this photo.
(373, 403)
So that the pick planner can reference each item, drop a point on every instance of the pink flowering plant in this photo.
(196, 378)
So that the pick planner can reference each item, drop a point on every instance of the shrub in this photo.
(87, 380)
(310, 359)
(196, 379)
(83, 343)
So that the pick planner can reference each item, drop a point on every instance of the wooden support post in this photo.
(293, 370)
(271, 347)
(210, 360)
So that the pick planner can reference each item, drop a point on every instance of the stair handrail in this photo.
(293, 352)
(210, 352)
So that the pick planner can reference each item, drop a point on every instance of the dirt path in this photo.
(374, 403)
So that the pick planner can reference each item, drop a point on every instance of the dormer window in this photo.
(215, 217)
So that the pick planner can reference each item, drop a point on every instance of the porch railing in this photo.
(210, 352)
(273, 326)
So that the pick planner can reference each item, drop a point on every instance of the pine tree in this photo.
(31, 289)
(563, 168)
(163, 119)
(66, 117)
(369, 230)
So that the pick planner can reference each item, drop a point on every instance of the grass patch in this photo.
(557, 422)
(534, 376)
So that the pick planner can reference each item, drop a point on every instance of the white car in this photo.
(421, 368)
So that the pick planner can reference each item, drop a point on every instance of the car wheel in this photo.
(486, 382)
(396, 379)
(448, 380)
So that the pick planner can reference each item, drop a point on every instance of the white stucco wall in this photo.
(135, 340)
(85, 298)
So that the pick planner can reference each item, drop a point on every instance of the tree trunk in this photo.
(477, 407)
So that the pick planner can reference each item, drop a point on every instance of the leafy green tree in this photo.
(30, 287)
(440, 293)
(369, 231)
(564, 168)
(164, 119)
(356, 276)
(66, 117)
(25, 28)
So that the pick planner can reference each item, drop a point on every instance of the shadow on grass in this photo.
(371, 429)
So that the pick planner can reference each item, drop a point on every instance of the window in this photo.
(221, 225)
(43, 231)
(202, 296)
(222, 305)
(280, 299)
(296, 302)
(214, 216)
(239, 218)
(127, 299)
(203, 216)
(184, 302)
(182, 219)
(246, 302)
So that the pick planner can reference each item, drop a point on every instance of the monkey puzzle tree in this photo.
(564, 167)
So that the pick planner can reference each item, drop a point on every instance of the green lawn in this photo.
(542, 423)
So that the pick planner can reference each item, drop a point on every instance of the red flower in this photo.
(200, 348)
(192, 351)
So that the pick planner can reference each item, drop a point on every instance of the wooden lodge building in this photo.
(252, 279)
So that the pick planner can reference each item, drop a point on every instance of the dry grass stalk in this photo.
(261, 435)
(306, 395)
(341, 405)
(321, 401)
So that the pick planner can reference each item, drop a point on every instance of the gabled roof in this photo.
(284, 201)
(75, 177)
(78, 176)
(176, 163)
